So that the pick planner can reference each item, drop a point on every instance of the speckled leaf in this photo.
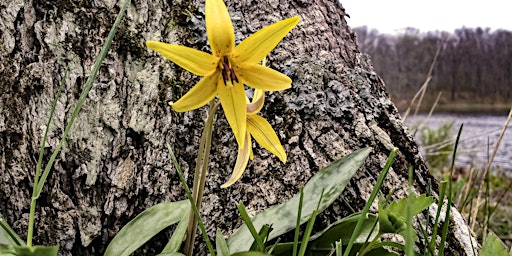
(331, 180)
(146, 225)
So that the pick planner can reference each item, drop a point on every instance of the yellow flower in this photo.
(262, 131)
(228, 68)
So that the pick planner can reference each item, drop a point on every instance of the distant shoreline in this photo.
(463, 108)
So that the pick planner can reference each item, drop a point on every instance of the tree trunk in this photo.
(115, 163)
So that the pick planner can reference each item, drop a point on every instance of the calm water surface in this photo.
(478, 138)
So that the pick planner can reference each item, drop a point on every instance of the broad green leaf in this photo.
(7, 234)
(331, 179)
(493, 246)
(220, 243)
(343, 229)
(178, 236)
(418, 204)
(146, 225)
(326, 239)
(36, 250)
(392, 219)
(171, 254)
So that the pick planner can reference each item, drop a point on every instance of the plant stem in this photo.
(203, 155)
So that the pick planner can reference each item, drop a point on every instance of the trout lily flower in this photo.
(259, 129)
(228, 68)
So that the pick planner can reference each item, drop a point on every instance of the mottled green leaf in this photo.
(331, 179)
(146, 225)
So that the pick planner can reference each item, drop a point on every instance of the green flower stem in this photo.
(203, 155)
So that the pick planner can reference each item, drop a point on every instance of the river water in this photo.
(479, 136)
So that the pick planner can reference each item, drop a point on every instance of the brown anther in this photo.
(228, 72)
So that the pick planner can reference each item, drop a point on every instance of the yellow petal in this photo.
(263, 133)
(255, 47)
(232, 99)
(197, 62)
(203, 92)
(263, 78)
(257, 102)
(219, 28)
(241, 162)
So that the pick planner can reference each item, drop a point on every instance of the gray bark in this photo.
(115, 163)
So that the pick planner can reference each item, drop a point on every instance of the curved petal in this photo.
(195, 61)
(219, 28)
(263, 78)
(232, 99)
(263, 133)
(203, 92)
(257, 102)
(258, 45)
(241, 162)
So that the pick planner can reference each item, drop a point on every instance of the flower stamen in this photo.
(228, 73)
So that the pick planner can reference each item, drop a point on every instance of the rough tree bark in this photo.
(115, 163)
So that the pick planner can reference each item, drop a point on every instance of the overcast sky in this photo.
(393, 15)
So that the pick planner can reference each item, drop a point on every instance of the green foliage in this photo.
(493, 246)
(392, 219)
(331, 179)
(146, 225)
(38, 250)
(7, 234)
(221, 245)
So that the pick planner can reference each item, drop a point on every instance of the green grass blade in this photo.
(375, 191)
(45, 137)
(7, 234)
(307, 234)
(83, 96)
(31, 218)
(333, 179)
(409, 237)
(252, 229)
(263, 234)
(442, 194)
(191, 200)
(297, 226)
(444, 232)
(146, 225)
